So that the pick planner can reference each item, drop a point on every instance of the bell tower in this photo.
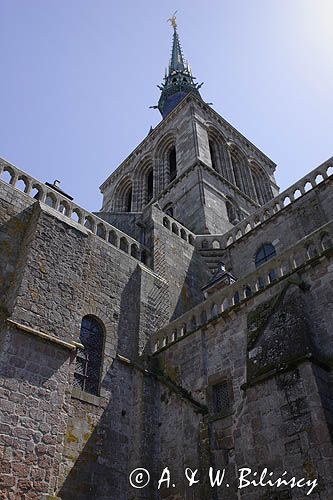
(194, 165)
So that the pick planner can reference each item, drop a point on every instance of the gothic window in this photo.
(122, 198)
(265, 253)
(237, 162)
(128, 201)
(172, 164)
(261, 184)
(212, 150)
(150, 186)
(222, 398)
(89, 359)
(242, 173)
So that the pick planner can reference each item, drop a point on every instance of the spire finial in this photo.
(173, 20)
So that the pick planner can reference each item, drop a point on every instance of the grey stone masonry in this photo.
(216, 169)
(188, 324)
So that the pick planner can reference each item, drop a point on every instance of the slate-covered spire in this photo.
(177, 59)
(178, 80)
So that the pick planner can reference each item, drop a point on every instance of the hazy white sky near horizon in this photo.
(78, 78)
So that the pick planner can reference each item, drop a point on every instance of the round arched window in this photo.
(265, 252)
(89, 360)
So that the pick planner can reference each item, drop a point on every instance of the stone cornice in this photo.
(46, 336)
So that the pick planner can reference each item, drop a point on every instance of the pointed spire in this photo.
(177, 59)
(178, 80)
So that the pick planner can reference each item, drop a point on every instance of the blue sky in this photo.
(78, 77)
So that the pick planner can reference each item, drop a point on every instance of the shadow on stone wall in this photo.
(121, 431)
(122, 439)
(190, 294)
(11, 236)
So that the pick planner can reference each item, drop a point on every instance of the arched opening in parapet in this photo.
(101, 231)
(50, 200)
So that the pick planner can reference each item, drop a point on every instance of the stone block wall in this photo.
(34, 392)
(56, 439)
(281, 410)
(179, 263)
(283, 229)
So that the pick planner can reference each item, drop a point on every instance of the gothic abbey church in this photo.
(187, 324)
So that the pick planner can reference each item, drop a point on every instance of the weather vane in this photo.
(173, 20)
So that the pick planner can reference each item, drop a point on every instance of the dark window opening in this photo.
(265, 253)
(128, 201)
(222, 398)
(89, 359)
(173, 164)
(213, 155)
(150, 186)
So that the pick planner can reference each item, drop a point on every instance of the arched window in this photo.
(89, 359)
(212, 150)
(122, 197)
(265, 253)
(128, 201)
(172, 164)
(241, 172)
(261, 183)
(150, 186)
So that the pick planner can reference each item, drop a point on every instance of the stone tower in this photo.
(194, 151)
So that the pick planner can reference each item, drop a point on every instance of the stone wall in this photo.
(301, 218)
(179, 263)
(270, 352)
(62, 273)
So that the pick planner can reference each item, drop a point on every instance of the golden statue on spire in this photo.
(173, 20)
